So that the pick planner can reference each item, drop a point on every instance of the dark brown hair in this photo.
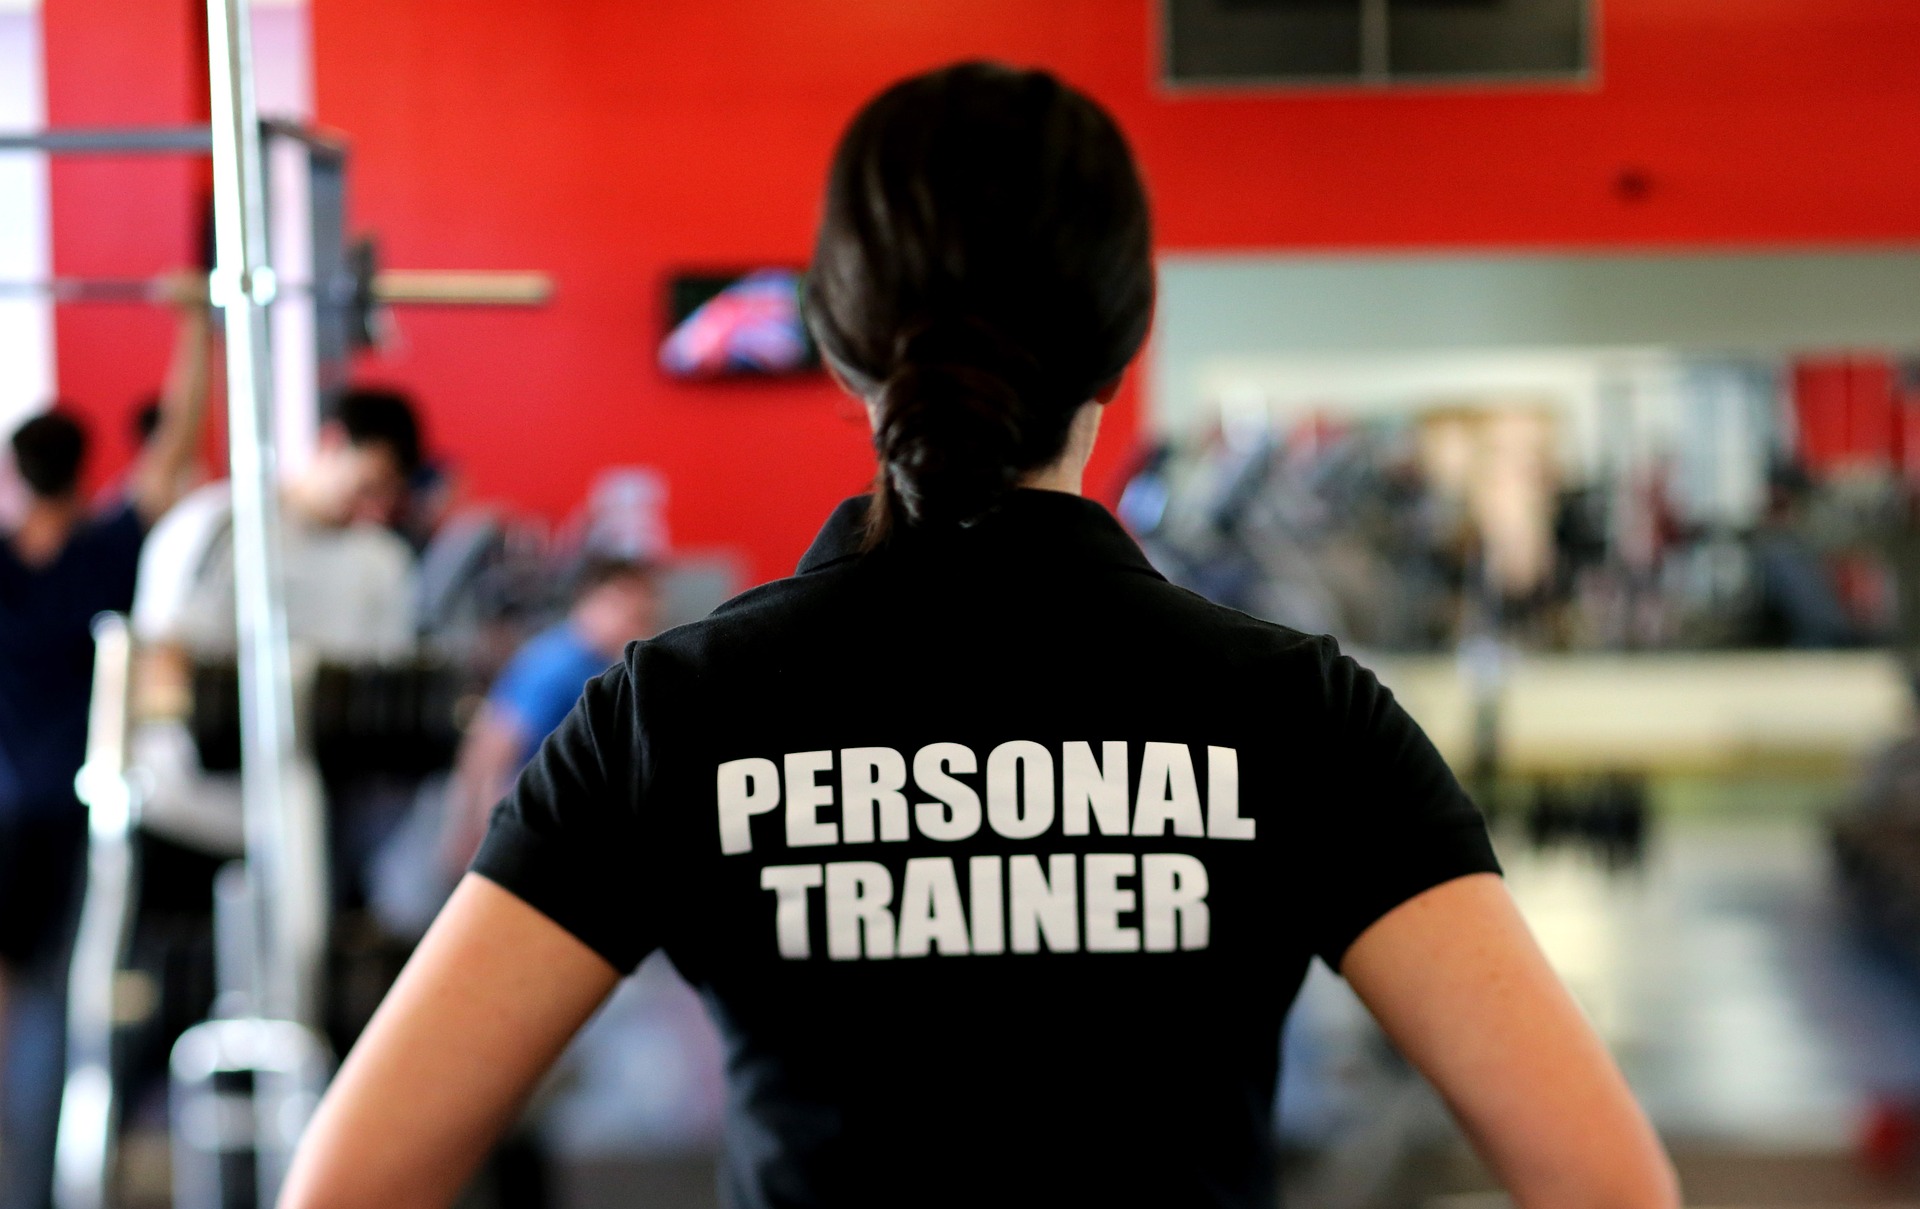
(375, 415)
(983, 269)
(48, 451)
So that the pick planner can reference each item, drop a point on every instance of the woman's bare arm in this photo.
(1456, 980)
(485, 1006)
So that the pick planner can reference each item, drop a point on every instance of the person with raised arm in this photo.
(62, 563)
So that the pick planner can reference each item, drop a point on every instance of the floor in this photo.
(1727, 978)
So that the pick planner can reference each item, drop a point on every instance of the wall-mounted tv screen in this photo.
(725, 325)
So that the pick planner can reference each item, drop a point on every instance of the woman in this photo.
(997, 859)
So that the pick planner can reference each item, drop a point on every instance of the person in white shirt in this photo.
(349, 580)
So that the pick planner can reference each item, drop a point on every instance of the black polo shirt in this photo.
(997, 858)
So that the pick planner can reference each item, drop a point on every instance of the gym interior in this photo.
(1561, 358)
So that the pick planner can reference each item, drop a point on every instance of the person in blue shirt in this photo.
(616, 600)
(61, 564)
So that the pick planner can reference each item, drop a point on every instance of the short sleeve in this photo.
(1395, 821)
(566, 839)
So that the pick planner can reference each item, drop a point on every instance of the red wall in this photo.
(609, 142)
(121, 63)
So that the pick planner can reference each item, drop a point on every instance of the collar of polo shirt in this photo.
(1027, 522)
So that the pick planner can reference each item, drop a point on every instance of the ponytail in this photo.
(964, 414)
(983, 269)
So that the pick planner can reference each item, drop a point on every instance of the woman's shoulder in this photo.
(1174, 611)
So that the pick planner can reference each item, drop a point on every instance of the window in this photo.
(1306, 42)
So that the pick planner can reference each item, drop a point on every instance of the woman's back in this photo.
(998, 858)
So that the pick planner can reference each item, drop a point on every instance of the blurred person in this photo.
(349, 592)
(61, 564)
(788, 796)
(348, 577)
(616, 601)
(1799, 604)
(388, 499)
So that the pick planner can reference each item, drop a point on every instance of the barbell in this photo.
(361, 289)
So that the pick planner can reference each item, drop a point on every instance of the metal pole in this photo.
(284, 864)
(136, 140)
(138, 291)
(85, 1153)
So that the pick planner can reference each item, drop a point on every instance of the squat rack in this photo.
(285, 862)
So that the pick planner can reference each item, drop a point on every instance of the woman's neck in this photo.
(1068, 471)
(1060, 476)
